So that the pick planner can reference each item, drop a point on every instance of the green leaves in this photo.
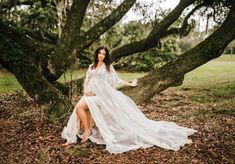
(13, 50)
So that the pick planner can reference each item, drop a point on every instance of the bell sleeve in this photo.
(114, 80)
(87, 78)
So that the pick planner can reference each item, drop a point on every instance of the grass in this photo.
(205, 113)
(72, 75)
(211, 74)
(218, 74)
(79, 150)
(8, 82)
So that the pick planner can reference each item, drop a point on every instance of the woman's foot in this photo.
(86, 135)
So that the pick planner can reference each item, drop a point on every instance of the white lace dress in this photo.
(121, 126)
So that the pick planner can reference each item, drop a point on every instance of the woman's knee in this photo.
(80, 106)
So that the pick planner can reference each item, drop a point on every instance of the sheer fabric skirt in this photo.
(120, 124)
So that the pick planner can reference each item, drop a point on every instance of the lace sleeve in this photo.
(87, 78)
(114, 80)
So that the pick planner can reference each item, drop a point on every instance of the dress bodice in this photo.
(102, 73)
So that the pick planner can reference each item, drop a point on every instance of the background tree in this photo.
(230, 49)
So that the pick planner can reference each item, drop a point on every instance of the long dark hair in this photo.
(106, 59)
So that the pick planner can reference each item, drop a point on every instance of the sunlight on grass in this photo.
(216, 72)
(8, 82)
(228, 57)
(72, 75)
(130, 76)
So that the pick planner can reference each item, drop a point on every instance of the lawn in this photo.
(8, 82)
(216, 72)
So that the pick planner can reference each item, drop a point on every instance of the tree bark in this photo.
(64, 54)
(17, 55)
(152, 40)
(172, 74)
(85, 40)
(73, 42)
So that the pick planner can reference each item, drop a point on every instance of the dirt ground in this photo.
(28, 138)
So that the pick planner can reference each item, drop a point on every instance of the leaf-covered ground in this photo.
(27, 138)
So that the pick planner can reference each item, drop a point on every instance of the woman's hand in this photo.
(89, 94)
(134, 83)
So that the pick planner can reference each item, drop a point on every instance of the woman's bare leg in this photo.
(84, 117)
(90, 120)
(81, 125)
(81, 110)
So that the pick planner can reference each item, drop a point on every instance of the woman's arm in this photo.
(116, 82)
(133, 83)
(85, 82)
(87, 78)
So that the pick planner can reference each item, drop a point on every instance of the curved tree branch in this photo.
(64, 55)
(154, 36)
(17, 55)
(96, 31)
(71, 41)
(74, 20)
(184, 24)
(172, 73)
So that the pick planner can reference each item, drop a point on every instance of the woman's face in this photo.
(101, 55)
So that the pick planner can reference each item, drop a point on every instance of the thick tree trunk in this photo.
(38, 78)
(65, 55)
(172, 73)
(21, 62)
(73, 42)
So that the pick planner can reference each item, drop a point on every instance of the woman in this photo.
(120, 124)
